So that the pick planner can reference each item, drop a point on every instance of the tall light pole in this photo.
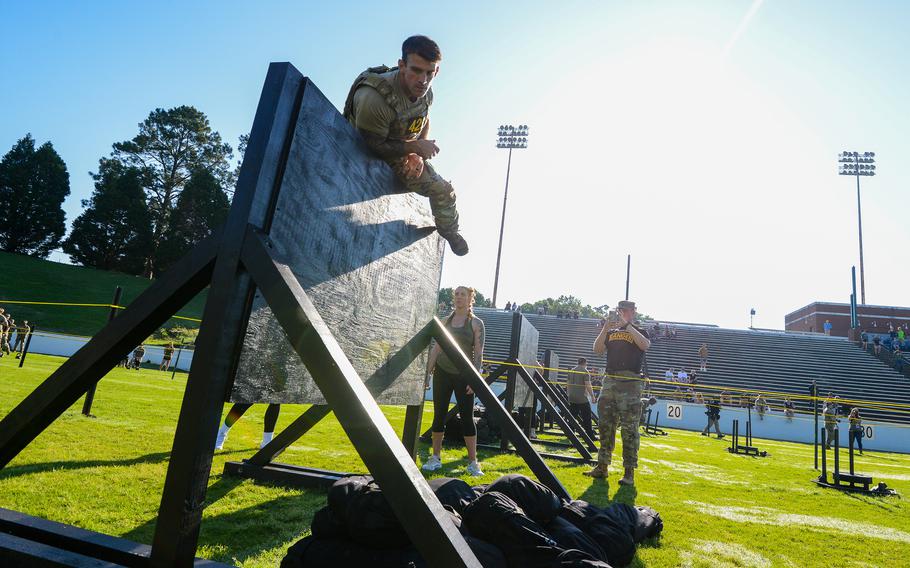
(511, 137)
(858, 164)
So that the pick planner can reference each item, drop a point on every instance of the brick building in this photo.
(811, 318)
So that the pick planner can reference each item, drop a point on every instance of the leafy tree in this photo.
(170, 146)
(114, 232)
(242, 143)
(33, 185)
(201, 208)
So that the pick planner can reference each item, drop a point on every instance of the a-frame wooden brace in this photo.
(232, 263)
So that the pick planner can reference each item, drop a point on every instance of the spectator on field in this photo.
(4, 331)
(877, 344)
(447, 379)
(712, 410)
(21, 333)
(703, 356)
(827, 327)
(829, 412)
(856, 429)
(166, 358)
(138, 356)
(788, 409)
(581, 395)
(761, 406)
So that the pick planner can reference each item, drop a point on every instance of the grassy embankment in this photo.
(106, 474)
(23, 278)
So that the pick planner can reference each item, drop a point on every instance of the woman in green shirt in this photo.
(468, 332)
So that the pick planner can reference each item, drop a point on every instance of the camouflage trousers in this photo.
(441, 194)
(619, 405)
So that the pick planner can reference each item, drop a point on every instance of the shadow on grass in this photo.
(26, 469)
(238, 535)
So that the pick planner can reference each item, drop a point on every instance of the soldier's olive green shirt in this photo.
(576, 385)
(373, 113)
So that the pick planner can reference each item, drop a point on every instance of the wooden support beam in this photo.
(508, 427)
(420, 513)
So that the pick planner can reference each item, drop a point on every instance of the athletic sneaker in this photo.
(474, 469)
(222, 436)
(432, 464)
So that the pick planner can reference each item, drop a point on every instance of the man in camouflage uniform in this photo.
(619, 403)
(5, 327)
(21, 333)
(391, 109)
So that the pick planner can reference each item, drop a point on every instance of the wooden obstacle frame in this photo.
(744, 448)
(525, 387)
(851, 482)
(236, 263)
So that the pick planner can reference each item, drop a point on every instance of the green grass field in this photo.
(106, 474)
(39, 280)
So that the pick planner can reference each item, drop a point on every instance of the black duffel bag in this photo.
(613, 535)
(568, 536)
(452, 492)
(535, 499)
(357, 503)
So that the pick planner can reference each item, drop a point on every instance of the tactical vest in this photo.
(411, 117)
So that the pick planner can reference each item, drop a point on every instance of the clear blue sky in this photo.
(701, 137)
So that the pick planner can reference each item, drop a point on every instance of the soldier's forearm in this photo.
(383, 147)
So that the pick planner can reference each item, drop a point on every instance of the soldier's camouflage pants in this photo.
(619, 405)
(441, 194)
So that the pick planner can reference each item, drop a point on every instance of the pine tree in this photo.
(115, 230)
(201, 208)
(33, 185)
(172, 144)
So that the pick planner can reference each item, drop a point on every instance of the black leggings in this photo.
(443, 385)
(271, 415)
(857, 436)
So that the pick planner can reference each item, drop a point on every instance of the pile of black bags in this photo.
(511, 523)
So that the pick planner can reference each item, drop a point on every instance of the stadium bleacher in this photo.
(761, 360)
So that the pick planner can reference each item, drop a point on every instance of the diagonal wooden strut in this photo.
(453, 412)
(560, 418)
(376, 384)
(508, 427)
(563, 407)
(108, 347)
(420, 513)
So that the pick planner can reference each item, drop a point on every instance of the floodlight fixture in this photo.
(858, 164)
(513, 138)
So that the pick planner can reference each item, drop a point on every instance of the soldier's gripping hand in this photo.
(426, 149)
(413, 166)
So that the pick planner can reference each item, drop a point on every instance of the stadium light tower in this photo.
(858, 164)
(511, 137)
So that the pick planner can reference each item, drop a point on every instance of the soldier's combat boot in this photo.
(456, 242)
(629, 477)
(599, 472)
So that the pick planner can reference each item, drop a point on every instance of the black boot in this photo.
(456, 242)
